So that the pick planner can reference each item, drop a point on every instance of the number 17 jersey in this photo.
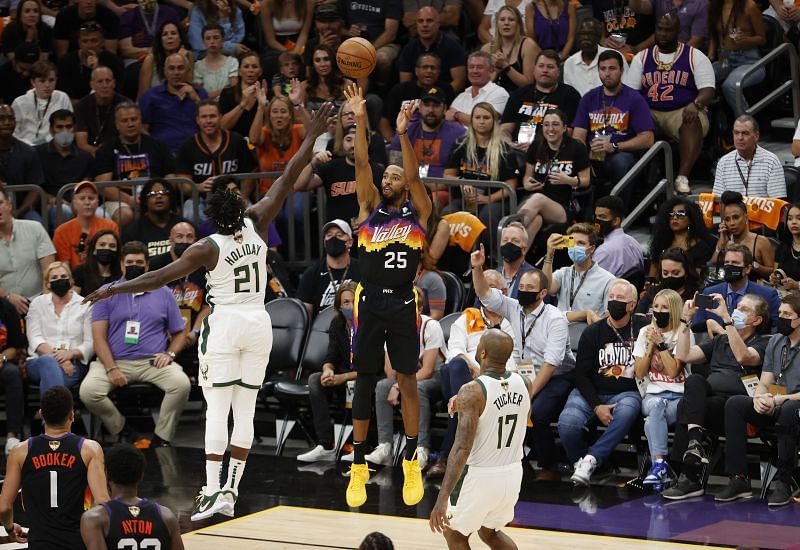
(502, 425)
(240, 276)
(390, 246)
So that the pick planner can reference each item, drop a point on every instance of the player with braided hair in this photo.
(233, 361)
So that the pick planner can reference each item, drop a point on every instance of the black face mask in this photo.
(60, 287)
(785, 326)
(661, 318)
(133, 271)
(527, 298)
(606, 226)
(733, 273)
(180, 248)
(335, 247)
(510, 252)
(673, 283)
(105, 256)
(617, 309)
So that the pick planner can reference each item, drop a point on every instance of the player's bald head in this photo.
(497, 345)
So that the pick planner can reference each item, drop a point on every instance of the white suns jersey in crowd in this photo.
(502, 425)
(240, 276)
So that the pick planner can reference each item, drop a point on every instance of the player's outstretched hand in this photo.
(478, 258)
(438, 520)
(319, 122)
(102, 293)
(355, 99)
(404, 116)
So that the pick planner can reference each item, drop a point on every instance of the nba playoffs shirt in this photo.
(528, 105)
(604, 364)
(622, 116)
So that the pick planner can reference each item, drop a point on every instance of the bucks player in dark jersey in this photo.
(391, 238)
(127, 521)
(54, 470)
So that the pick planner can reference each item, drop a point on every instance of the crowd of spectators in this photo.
(121, 116)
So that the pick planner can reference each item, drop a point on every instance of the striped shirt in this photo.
(761, 177)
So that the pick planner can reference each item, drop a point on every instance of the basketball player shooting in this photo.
(391, 237)
(484, 471)
(236, 339)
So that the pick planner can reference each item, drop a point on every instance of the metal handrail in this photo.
(21, 188)
(792, 83)
(664, 186)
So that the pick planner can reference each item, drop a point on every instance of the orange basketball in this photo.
(356, 57)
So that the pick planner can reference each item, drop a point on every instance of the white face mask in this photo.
(64, 139)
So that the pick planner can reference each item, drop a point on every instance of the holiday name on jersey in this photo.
(137, 527)
(66, 460)
(246, 249)
(510, 398)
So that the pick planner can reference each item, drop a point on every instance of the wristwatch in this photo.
(615, 147)
(726, 324)
(196, 331)
(661, 346)
(171, 354)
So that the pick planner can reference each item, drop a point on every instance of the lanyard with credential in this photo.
(522, 330)
(786, 360)
(745, 182)
(573, 292)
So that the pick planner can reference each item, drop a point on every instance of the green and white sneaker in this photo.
(228, 499)
(206, 506)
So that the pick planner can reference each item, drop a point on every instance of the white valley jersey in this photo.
(240, 276)
(503, 422)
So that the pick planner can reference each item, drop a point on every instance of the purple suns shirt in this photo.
(432, 148)
(157, 312)
(623, 116)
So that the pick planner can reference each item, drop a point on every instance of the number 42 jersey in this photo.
(390, 246)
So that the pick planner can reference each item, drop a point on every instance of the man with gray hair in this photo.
(541, 336)
(481, 89)
(749, 168)
(514, 245)
(461, 366)
(605, 386)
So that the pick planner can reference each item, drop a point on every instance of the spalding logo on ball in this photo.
(356, 57)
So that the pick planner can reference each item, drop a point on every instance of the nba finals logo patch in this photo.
(504, 385)
(134, 511)
(54, 445)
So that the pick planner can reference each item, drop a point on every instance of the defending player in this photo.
(391, 237)
(127, 521)
(54, 470)
(236, 339)
(493, 412)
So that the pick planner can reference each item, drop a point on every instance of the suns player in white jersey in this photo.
(484, 469)
(236, 338)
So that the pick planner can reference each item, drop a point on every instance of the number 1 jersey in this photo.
(240, 276)
(390, 246)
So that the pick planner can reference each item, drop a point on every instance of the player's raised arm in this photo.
(265, 210)
(419, 197)
(366, 192)
(200, 254)
(470, 405)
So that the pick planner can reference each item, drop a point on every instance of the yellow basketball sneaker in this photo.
(357, 488)
(413, 491)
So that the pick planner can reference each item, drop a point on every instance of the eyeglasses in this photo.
(82, 242)
(678, 214)
(159, 193)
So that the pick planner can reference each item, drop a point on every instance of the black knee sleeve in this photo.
(362, 399)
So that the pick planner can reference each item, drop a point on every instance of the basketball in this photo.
(356, 57)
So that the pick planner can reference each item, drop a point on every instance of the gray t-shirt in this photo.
(583, 291)
(779, 355)
(20, 272)
(725, 371)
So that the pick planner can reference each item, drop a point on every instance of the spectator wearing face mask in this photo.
(101, 265)
(620, 253)
(320, 281)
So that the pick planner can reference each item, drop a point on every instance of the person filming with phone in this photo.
(738, 263)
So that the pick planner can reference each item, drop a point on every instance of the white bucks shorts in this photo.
(484, 497)
(234, 346)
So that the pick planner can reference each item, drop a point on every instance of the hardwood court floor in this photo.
(292, 528)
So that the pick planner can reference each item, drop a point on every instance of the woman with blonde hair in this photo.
(661, 377)
(482, 155)
(513, 53)
(59, 331)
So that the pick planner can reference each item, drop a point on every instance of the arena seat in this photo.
(455, 292)
(792, 176)
(446, 322)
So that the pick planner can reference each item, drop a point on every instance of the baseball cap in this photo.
(27, 52)
(434, 94)
(327, 12)
(83, 184)
(341, 224)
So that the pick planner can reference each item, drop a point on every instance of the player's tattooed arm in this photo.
(470, 406)
(265, 210)
(366, 192)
